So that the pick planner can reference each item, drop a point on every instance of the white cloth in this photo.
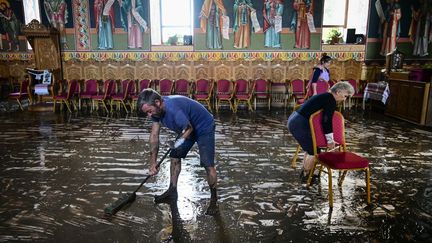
(41, 89)
(138, 17)
(255, 22)
(225, 27)
(107, 7)
(311, 23)
(278, 23)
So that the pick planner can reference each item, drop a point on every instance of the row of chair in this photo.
(125, 93)
(300, 93)
(211, 93)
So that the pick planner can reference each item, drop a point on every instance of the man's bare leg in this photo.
(171, 193)
(212, 182)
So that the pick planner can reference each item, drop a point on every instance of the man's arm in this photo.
(187, 131)
(154, 147)
(182, 137)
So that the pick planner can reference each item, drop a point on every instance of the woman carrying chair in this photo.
(298, 122)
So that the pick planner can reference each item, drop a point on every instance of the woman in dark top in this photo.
(321, 73)
(298, 122)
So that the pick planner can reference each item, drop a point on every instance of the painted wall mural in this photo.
(109, 25)
(57, 13)
(405, 25)
(420, 31)
(260, 24)
(11, 19)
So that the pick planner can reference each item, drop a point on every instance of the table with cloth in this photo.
(376, 91)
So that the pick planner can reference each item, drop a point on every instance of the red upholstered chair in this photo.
(321, 87)
(67, 97)
(22, 94)
(298, 89)
(353, 83)
(182, 87)
(91, 88)
(110, 86)
(203, 92)
(120, 98)
(243, 92)
(142, 85)
(332, 82)
(224, 93)
(341, 160)
(166, 87)
(262, 91)
(358, 91)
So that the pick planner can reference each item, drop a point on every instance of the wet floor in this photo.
(58, 172)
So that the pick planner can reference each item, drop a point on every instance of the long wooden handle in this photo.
(160, 162)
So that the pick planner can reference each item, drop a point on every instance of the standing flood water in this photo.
(58, 172)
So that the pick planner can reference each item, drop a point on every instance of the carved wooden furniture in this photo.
(46, 49)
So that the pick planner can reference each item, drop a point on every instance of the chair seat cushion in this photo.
(18, 95)
(343, 160)
(201, 96)
(61, 97)
(223, 96)
(98, 97)
(262, 95)
(300, 101)
(117, 97)
(242, 96)
(87, 95)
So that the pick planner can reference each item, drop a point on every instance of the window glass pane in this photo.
(31, 11)
(176, 12)
(334, 12)
(170, 21)
(358, 19)
(155, 25)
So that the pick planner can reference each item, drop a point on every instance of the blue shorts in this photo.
(206, 147)
(299, 127)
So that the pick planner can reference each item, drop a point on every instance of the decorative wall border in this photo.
(82, 24)
(209, 56)
(191, 56)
